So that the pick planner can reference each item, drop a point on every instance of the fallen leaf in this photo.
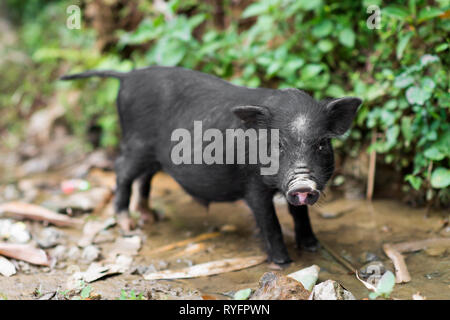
(191, 249)
(92, 228)
(418, 296)
(97, 271)
(208, 268)
(34, 212)
(25, 252)
(401, 271)
(182, 243)
(126, 245)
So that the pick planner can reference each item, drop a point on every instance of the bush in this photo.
(327, 49)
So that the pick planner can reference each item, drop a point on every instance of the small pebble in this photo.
(90, 253)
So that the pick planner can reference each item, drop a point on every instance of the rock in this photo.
(73, 253)
(49, 238)
(104, 236)
(308, 276)
(90, 253)
(126, 245)
(24, 267)
(374, 268)
(6, 268)
(141, 270)
(86, 201)
(275, 286)
(330, 290)
(10, 192)
(59, 253)
(15, 232)
(367, 257)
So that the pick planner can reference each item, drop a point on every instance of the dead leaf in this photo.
(126, 245)
(92, 228)
(412, 246)
(25, 252)
(182, 243)
(97, 271)
(190, 250)
(34, 212)
(394, 252)
(401, 271)
(418, 296)
(208, 268)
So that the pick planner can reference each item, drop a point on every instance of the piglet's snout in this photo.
(302, 196)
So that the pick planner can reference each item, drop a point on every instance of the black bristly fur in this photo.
(154, 101)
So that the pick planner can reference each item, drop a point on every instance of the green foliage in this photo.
(243, 294)
(130, 295)
(325, 48)
(384, 287)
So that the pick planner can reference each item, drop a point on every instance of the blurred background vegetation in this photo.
(326, 48)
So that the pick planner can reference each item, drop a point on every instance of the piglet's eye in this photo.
(321, 145)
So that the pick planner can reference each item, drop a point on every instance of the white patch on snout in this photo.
(302, 181)
(300, 124)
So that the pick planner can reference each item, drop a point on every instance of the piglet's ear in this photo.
(252, 114)
(341, 113)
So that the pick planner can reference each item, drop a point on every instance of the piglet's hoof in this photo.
(125, 222)
(310, 244)
(282, 262)
(147, 216)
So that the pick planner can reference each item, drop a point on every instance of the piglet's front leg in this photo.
(261, 204)
(304, 234)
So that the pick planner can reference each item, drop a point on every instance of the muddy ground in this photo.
(351, 228)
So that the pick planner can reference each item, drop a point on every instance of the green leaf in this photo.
(335, 91)
(428, 84)
(243, 294)
(255, 9)
(396, 12)
(311, 4)
(402, 43)
(386, 284)
(322, 29)
(86, 292)
(426, 59)
(441, 47)
(169, 52)
(403, 80)
(415, 182)
(429, 13)
(311, 70)
(407, 128)
(273, 68)
(325, 45)
(347, 37)
(416, 95)
(440, 178)
(434, 153)
(373, 295)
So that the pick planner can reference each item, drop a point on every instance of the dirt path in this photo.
(362, 229)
